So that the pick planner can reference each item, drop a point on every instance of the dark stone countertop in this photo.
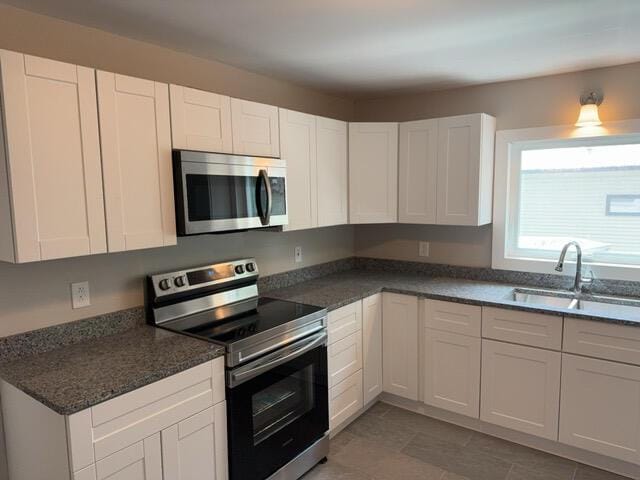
(79, 376)
(339, 289)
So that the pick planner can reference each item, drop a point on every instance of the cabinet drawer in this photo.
(345, 358)
(344, 321)
(88, 473)
(453, 317)
(534, 329)
(604, 340)
(345, 399)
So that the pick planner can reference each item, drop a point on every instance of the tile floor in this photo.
(389, 443)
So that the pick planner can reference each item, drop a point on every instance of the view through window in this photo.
(587, 193)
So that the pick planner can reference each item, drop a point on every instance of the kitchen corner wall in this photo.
(543, 101)
(38, 295)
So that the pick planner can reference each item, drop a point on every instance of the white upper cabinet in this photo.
(418, 172)
(200, 120)
(400, 345)
(255, 128)
(373, 172)
(136, 157)
(298, 149)
(51, 201)
(465, 169)
(332, 172)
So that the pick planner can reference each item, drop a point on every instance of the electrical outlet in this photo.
(298, 254)
(423, 249)
(80, 297)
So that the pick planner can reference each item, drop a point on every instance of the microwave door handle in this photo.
(265, 213)
(236, 378)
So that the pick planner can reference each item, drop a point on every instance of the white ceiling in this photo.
(370, 47)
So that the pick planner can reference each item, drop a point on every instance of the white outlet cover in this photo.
(80, 295)
(423, 249)
(298, 254)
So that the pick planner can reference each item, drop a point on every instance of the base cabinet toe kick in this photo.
(571, 386)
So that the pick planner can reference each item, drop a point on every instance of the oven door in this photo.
(216, 197)
(277, 406)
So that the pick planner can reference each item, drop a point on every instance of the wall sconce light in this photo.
(589, 110)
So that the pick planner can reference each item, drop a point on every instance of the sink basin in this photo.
(543, 297)
(608, 305)
(596, 304)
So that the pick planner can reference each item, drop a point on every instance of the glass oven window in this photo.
(281, 403)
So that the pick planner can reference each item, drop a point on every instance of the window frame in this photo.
(509, 145)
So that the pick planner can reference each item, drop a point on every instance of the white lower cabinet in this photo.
(372, 346)
(140, 461)
(452, 372)
(521, 388)
(195, 449)
(345, 400)
(345, 358)
(173, 429)
(600, 407)
(400, 345)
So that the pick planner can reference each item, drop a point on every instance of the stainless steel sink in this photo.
(547, 298)
(596, 304)
(609, 305)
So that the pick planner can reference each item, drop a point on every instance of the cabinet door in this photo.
(372, 346)
(332, 172)
(53, 160)
(141, 461)
(298, 149)
(465, 169)
(196, 448)
(400, 345)
(255, 128)
(373, 172)
(521, 388)
(136, 151)
(200, 120)
(344, 358)
(600, 407)
(345, 400)
(418, 172)
(452, 372)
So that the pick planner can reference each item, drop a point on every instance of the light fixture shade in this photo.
(588, 116)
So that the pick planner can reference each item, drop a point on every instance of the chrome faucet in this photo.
(579, 281)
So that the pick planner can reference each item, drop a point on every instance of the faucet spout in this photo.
(579, 280)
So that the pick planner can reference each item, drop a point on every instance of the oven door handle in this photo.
(264, 212)
(252, 370)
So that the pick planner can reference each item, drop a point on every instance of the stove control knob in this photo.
(179, 281)
(239, 269)
(250, 267)
(164, 284)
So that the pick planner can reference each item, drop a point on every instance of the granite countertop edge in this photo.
(293, 293)
(70, 408)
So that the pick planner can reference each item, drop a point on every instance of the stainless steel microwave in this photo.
(216, 192)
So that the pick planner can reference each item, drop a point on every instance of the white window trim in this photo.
(510, 141)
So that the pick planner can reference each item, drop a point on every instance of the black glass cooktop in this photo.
(267, 314)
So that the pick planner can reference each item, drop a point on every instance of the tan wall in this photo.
(534, 102)
(48, 37)
(38, 295)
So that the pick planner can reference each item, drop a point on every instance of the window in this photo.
(555, 190)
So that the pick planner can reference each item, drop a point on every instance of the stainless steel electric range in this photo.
(276, 364)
